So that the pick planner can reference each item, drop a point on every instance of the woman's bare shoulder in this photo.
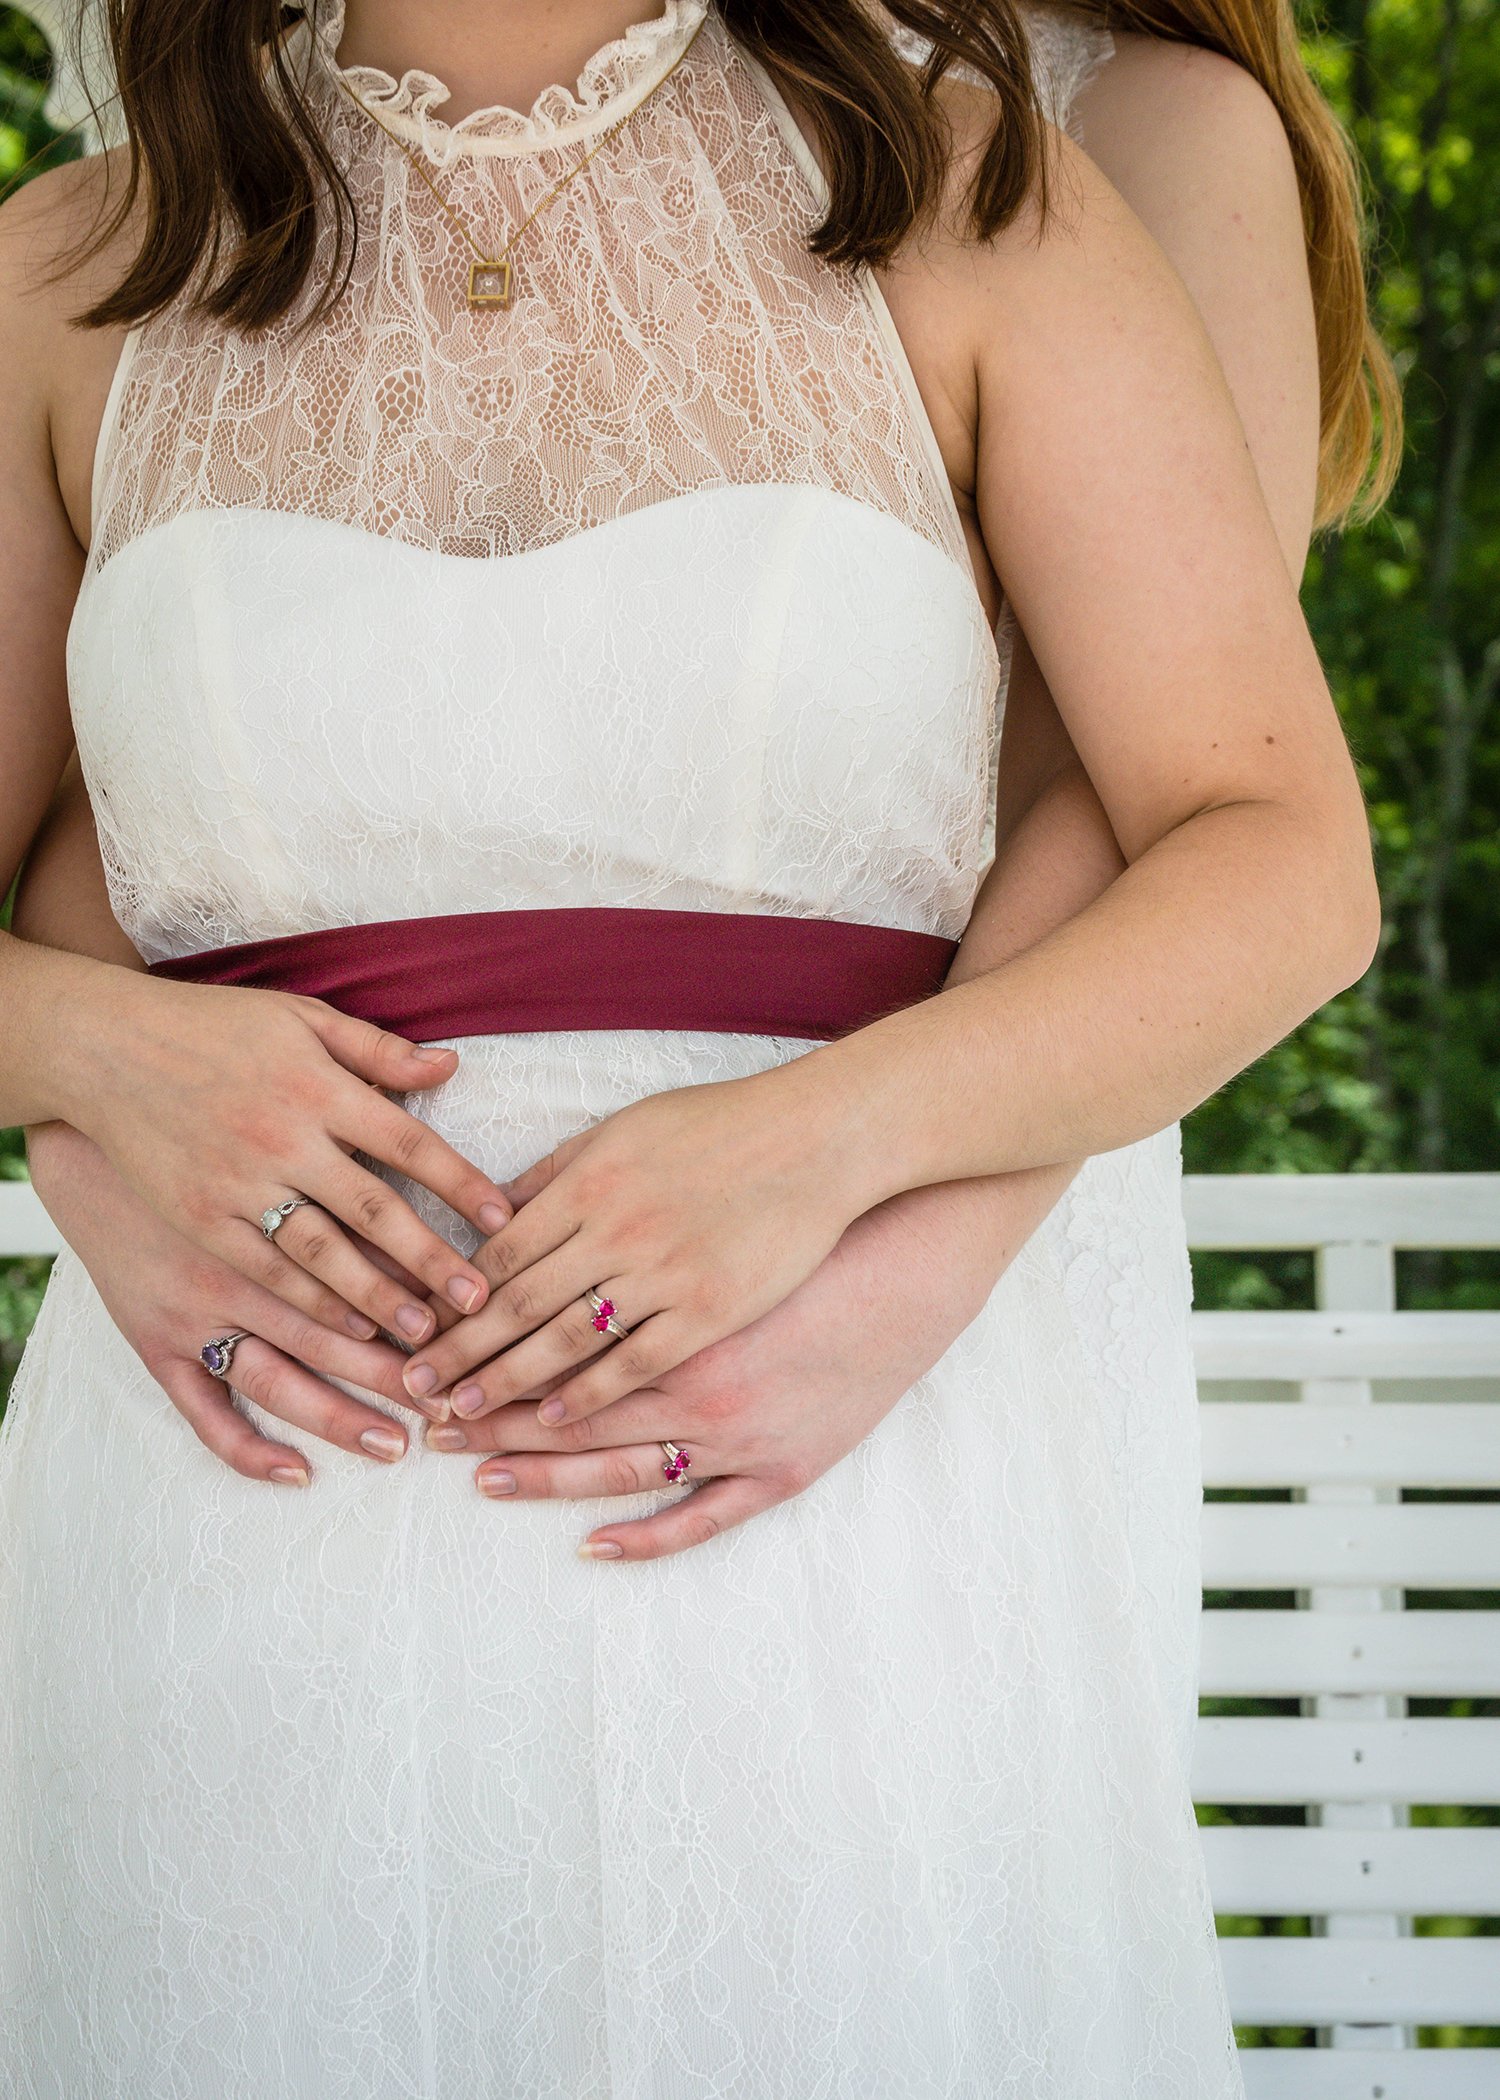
(1176, 116)
(1198, 149)
(43, 220)
(57, 373)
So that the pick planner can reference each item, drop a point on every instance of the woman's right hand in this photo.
(215, 1103)
(168, 1298)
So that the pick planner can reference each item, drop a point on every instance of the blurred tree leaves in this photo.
(25, 68)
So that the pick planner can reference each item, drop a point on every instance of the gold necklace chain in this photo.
(491, 277)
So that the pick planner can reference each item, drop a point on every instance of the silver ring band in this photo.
(678, 1460)
(273, 1219)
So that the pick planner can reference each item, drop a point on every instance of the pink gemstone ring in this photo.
(678, 1460)
(604, 1320)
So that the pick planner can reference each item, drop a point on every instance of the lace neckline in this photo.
(618, 74)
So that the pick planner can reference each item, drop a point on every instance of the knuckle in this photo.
(619, 1476)
(409, 1142)
(502, 1257)
(371, 1207)
(483, 1259)
(388, 1049)
(276, 1268)
(302, 1337)
(518, 1301)
(250, 1379)
(577, 1435)
(578, 1329)
(700, 1529)
(314, 1243)
(635, 1362)
(338, 1425)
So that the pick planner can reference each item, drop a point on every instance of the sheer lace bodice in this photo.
(669, 333)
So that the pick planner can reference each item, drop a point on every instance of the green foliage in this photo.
(27, 140)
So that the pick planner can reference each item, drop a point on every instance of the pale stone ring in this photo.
(272, 1220)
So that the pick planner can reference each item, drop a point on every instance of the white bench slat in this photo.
(25, 1227)
(1320, 1982)
(1247, 1212)
(1296, 1872)
(1287, 1444)
(1427, 1654)
(1370, 2074)
(1286, 1545)
(1293, 1346)
(1276, 1760)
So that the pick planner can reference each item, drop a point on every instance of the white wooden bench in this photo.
(1345, 1406)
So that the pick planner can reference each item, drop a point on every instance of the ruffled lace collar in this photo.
(619, 73)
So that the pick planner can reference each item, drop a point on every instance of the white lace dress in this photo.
(650, 591)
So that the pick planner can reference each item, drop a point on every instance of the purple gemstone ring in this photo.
(217, 1356)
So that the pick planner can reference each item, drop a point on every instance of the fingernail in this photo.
(600, 1549)
(464, 1293)
(497, 1483)
(551, 1411)
(436, 1410)
(289, 1476)
(419, 1378)
(468, 1399)
(383, 1443)
(492, 1217)
(415, 1321)
(452, 1438)
(431, 1055)
(362, 1329)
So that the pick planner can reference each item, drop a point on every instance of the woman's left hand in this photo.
(692, 1213)
(767, 1411)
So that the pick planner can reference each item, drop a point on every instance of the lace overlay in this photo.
(669, 331)
(650, 590)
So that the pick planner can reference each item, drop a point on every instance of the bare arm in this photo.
(1195, 147)
(61, 900)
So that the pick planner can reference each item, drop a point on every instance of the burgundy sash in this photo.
(606, 966)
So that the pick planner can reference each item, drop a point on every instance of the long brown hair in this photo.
(230, 166)
(1359, 453)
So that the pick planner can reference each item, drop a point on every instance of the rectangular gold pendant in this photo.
(490, 283)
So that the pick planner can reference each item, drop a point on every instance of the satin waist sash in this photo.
(607, 966)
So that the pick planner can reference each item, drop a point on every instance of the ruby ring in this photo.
(604, 1320)
(678, 1460)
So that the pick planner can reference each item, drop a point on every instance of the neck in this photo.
(486, 52)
